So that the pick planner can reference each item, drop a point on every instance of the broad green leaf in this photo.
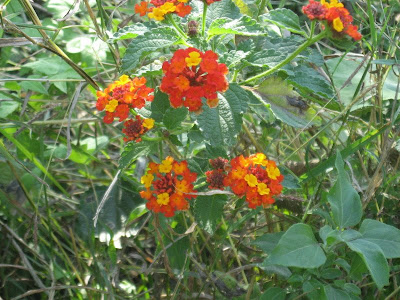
(33, 86)
(243, 26)
(384, 236)
(313, 288)
(153, 69)
(357, 268)
(132, 31)
(298, 248)
(268, 241)
(307, 79)
(159, 106)
(49, 65)
(281, 271)
(344, 199)
(222, 124)
(174, 116)
(331, 273)
(284, 18)
(7, 108)
(274, 293)
(208, 211)
(222, 9)
(134, 150)
(233, 58)
(332, 293)
(147, 43)
(373, 258)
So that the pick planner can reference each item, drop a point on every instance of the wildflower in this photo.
(163, 7)
(168, 186)
(134, 129)
(121, 96)
(335, 15)
(255, 177)
(192, 75)
(141, 8)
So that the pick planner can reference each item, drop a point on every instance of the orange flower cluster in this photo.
(337, 17)
(255, 177)
(134, 129)
(162, 8)
(169, 186)
(192, 75)
(122, 95)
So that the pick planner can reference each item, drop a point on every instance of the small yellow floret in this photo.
(148, 123)
(156, 14)
(166, 165)
(111, 106)
(251, 180)
(147, 180)
(259, 159)
(163, 199)
(333, 3)
(194, 59)
(273, 172)
(262, 189)
(167, 7)
(338, 25)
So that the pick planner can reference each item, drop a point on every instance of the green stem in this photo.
(203, 22)
(301, 48)
(177, 28)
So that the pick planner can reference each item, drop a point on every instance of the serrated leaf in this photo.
(132, 31)
(344, 199)
(374, 259)
(147, 43)
(384, 236)
(134, 150)
(221, 125)
(174, 116)
(233, 58)
(159, 106)
(222, 9)
(208, 211)
(243, 26)
(284, 18)
(307, 79)
(154, 69)
(297, 248)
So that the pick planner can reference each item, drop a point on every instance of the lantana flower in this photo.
(337, 17)
(163, 7)
(168, 186)
(192, 75)
(122, 95)
(255, 177)
(134, 129)
(216, 176)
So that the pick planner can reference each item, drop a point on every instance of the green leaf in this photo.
(145, 44)
(332, 293)
(208, 211)
(159, 106)
(233, 58)
(307, 79)
(222, 9)
(344, 199)
(243, 26)
(153, 69)
(331, 273)
(281, 271)
(274, 293)
(268, 241)
(221, 125)
(384, 236)
(33, 86)
(298, 248)
(358, 268)
(373, 258)
(174, 116)
(49, 65)
(112, 252)
(132, 31)
(7, 108)
(284, 18)
(134, 150)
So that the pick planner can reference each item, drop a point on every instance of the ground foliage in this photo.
(73, 220)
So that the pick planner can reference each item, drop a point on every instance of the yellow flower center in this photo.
(251, 180)
(168, 7)
(147, 180)
(148, 123)
(194, 59)
(262, 189)
(273, 172)
(156, 14)
(338, 25)
(333, 3)
(165, 166)
(163, 199)
(259, 159)
(111, 106)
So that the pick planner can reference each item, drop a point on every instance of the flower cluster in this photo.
(162, 8)
(122, 95)
(335, 14)
(169, 186)
(216, 176)
(192, 75)
(134, 129)
(255, 177)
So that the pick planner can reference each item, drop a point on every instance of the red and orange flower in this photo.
(192, 75)
(169, 186)
(335, 14)
(216, 176)
(255, 177)
(122, 95)
(163, 7)
(134, 129)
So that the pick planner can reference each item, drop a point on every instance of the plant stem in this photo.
(177, 28)
(301, 48)
(203, 21)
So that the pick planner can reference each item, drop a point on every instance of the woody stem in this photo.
(302, 47)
